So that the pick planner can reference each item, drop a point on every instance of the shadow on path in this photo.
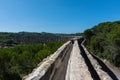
(105, 68)
(91, 69)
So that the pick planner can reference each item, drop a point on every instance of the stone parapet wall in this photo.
(47, 67)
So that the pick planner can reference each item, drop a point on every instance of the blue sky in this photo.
(56, 16)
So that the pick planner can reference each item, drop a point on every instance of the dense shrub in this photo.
(104, 41)
(17, 61)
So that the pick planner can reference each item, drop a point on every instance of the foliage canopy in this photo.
(104, 41)
(17, 61)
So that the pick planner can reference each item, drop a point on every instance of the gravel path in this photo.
(77, 69)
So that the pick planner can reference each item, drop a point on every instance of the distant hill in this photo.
(10, 39)
(104, 41)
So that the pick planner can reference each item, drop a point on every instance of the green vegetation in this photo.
(104, 41)
(17, 61)
(21, 52)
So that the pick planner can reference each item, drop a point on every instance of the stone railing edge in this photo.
(44, 65)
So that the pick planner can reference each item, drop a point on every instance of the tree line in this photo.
(8, 39)
(18, 61)
(104, 40)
